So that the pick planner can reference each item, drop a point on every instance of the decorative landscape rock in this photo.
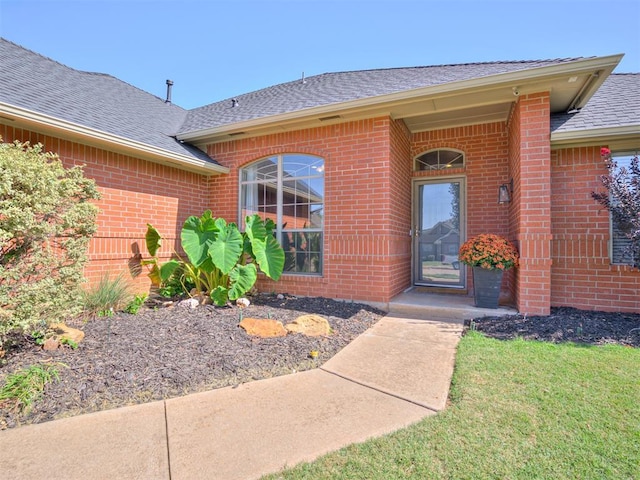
(190, 303)
(51, 344)
(243, 302)
(311, 325)
(62, 331)
(263, 328)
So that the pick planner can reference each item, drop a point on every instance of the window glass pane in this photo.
(439, 160)
(266, 169)
(303, 252)
(289, 189)
(302, 166)
(299, 201)
(260, 198)
(619, 241)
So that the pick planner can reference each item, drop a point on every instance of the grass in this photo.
(108, 296)
(519, 410)
(24, 387)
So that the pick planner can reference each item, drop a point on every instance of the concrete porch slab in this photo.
(127, 442)
(435, 306)
(264, 426)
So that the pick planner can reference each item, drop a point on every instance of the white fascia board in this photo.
(593, 134)
(517, 78)
(189, 163)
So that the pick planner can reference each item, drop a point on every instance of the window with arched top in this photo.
(288, 189)
(440, 159)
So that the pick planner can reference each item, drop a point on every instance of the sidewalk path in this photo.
(393, 375)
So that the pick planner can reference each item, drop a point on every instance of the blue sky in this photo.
(216, 49)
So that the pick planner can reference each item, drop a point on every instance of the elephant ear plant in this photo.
(222, 262)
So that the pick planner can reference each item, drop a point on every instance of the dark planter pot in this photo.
(486, 287)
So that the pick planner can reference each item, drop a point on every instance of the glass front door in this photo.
(437, 233)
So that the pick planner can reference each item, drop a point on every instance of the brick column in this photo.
(533, 188)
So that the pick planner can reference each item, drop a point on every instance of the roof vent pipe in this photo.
(169, 85)
(234, 102)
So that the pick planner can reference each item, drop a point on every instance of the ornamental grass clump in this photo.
(489, 251)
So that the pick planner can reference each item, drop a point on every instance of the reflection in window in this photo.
(620, 242)
(289, 189)
(439, 160)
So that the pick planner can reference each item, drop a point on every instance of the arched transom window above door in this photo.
(440, 159)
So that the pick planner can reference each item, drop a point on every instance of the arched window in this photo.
(289, 189)
(440, 160)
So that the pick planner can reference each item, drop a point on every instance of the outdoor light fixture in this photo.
(504, 192)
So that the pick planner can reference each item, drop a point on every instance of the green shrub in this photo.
(46, 221)
(108, 296)
(24, 387)
(134, 305)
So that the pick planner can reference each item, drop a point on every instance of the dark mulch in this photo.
(168, 352)
(565, 325)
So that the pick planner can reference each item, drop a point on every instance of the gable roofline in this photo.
(37, 120)
(44, 95)
(600, 67)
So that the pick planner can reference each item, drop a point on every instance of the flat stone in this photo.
(310, 325)
(62, 331)
(51, 344)
(263, 328)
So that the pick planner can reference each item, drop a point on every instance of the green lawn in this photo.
(520, 410)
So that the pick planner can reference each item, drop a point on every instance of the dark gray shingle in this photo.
(102, 102)
(334, 88)
(615, 104)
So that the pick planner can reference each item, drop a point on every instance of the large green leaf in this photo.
(198, 233)
(242, 277)
(220, 295)
(270, 256)
(226, 249)
(255, 227)
(153, 240)
(168, 269)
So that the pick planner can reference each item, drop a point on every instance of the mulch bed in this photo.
(167, 352)
(565, 325)
(171, 351)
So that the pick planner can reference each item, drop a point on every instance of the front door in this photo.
(438, 220)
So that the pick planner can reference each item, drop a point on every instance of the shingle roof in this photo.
(334, 88)
(105, 103)
(615, 104)
(102, 102)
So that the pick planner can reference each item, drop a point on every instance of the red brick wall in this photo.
(486, 168)
(400, 208)
(582, 274)
(134, 192)
(361, 252)
(530, 151)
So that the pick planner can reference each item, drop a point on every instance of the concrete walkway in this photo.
(393, 375)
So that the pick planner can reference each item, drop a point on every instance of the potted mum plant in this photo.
(489, 256)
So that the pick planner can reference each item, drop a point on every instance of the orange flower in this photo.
(489, 251)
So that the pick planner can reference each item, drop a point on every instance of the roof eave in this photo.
(595, 136)
(132, 147)
(603, 65)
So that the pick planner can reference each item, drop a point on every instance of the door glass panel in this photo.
(437, 237)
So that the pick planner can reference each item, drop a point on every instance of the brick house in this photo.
(373, 177)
